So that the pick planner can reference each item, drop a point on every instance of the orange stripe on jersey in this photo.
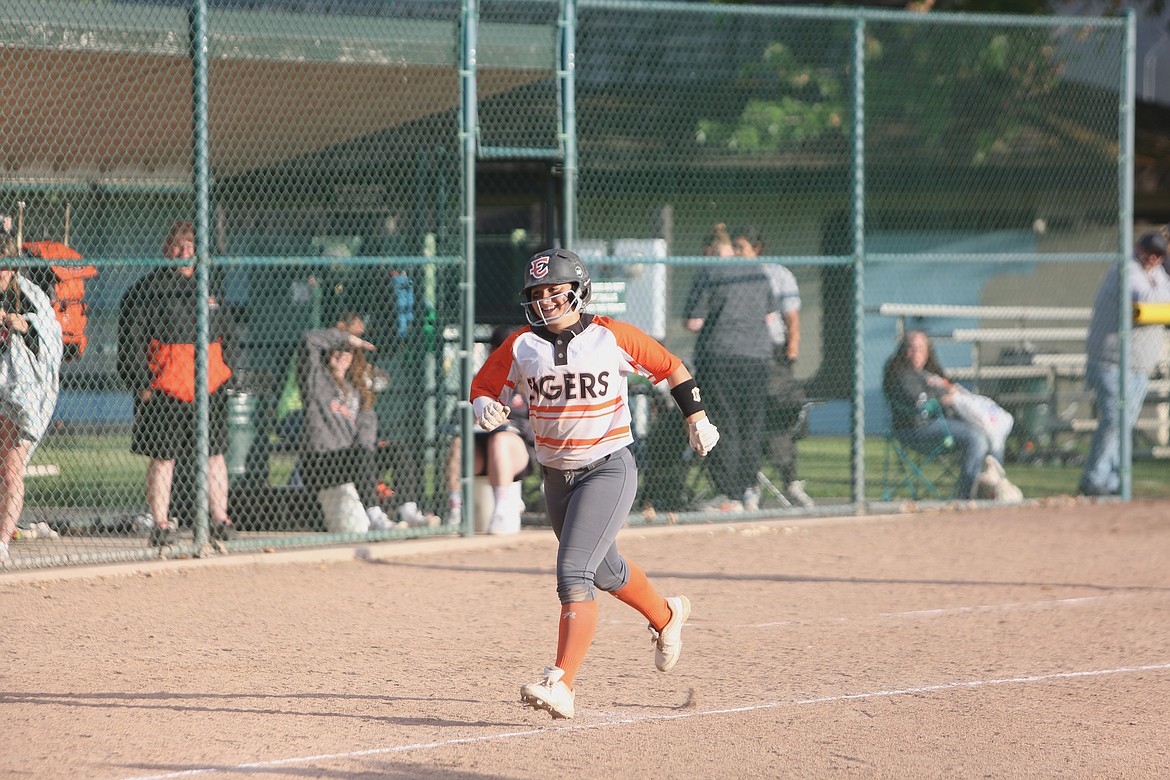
(552, 411)
(578, 444)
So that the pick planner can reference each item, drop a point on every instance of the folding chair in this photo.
(799, 426)
(920, 475)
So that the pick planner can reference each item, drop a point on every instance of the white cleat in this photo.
(796, 494)
(549, 694)
(668, 642)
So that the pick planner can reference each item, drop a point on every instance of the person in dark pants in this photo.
(730, 306)
(783, 421)
(156, 361)
(573, 369)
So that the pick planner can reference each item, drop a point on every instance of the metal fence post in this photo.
(202, 175)
(467, 136)
(566, 74)
(1125, 224)
(858, 417)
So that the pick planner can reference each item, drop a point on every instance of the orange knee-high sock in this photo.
(575, 633)
(641, 595)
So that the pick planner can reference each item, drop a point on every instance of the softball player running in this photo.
(572, 366)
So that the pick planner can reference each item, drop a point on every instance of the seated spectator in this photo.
(340, 427)
(505, 456)
(916, 388)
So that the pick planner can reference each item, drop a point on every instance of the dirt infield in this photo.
(1024, 642)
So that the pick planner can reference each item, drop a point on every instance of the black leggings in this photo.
(321, 470)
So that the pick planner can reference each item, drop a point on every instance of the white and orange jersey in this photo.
(575, 383)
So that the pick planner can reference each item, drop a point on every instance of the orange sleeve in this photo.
(492, 377)
(649, 357)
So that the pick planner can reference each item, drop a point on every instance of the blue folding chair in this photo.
(920, 475)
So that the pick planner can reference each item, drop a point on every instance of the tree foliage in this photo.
(968, 93)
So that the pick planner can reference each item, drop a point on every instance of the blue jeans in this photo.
(1102, 474)
(972, 444)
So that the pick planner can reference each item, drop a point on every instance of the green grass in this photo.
(100, 471)
(824, 465)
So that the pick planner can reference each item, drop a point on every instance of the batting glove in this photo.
(489, 413)
(704, 436)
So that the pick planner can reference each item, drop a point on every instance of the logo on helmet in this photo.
(539, 267)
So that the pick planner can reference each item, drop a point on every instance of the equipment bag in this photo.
(65, 286)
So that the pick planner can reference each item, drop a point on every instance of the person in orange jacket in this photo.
(156, 362)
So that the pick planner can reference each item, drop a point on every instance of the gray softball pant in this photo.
(587, 508)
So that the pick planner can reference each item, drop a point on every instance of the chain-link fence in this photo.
(327, 175)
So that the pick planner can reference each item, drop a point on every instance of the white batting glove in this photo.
(489, 413)
(704, 436)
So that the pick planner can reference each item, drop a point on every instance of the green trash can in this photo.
(241, 428)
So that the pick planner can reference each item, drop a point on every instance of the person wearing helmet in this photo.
(572, 369)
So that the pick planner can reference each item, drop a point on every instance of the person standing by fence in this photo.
(783, 421)
(30, 358)
(156, 362)
(730, 306)
(1148, 283)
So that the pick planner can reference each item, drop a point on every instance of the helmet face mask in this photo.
(555, 267)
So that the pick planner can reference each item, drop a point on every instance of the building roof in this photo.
(124, 64)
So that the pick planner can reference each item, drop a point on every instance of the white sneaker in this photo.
(668, 642)
(796, 494)
(378, 519)
(5, 558)
(751, 500)
(454, 513)
(410, 516)
(505, 520)
(549, 694)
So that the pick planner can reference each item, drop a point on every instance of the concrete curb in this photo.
(397, 549)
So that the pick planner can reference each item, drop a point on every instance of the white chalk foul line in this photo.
(933, 613)
(650, 718)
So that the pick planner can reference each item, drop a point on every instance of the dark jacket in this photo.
(733, 301)
(156, 330)
(909, 394)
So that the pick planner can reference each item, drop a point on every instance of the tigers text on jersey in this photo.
(575, 383)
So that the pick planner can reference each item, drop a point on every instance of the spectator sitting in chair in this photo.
(919, 395)
(505, 456)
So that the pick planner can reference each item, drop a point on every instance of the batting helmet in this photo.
(555, 266)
